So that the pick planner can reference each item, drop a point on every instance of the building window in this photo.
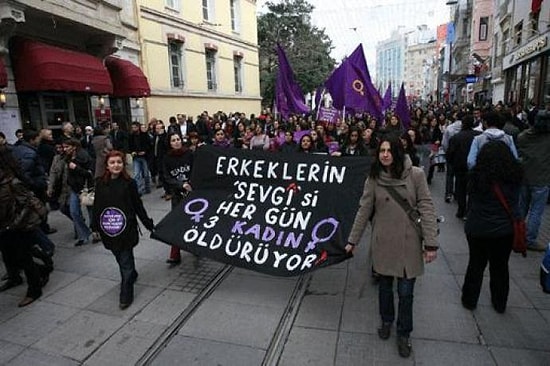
(534, 21)
(206, 9)
(173, 4)
(176, 65)
(211, 70)
(518, 29)
(235, 14)
(238, 72)
(483, 28)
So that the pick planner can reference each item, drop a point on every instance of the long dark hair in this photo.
(171, 151)
(398, 154)
(495, 164)
(124, 174)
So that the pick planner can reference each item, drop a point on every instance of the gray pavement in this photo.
(205, 313)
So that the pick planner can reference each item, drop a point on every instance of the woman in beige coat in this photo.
(396, 246)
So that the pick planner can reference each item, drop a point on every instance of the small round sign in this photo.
(112, 221)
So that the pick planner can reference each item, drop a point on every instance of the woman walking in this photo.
(177, 166)
(116, 207)
(488, 227)
(398, 250)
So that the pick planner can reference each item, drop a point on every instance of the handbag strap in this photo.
(403, 202)
(502, 200)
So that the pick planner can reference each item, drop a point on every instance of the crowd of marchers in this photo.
(488, 155)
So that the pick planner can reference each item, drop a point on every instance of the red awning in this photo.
(128, 79)
(38, 66)
(3, 74)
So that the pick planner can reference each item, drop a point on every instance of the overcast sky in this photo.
(350, 22)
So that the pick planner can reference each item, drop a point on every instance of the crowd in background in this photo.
(439, 138)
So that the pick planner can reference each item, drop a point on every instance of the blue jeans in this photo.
(82, 231)
(142, 175)
(405, 289)
(128, 274)
(532, 202)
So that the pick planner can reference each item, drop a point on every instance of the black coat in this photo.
(177, 167)
(116, 207)
(459, 148)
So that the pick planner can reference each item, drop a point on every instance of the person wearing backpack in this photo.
(16, 244)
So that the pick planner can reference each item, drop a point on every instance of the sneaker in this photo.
(384, 331)
(404, 346)
(448, 198)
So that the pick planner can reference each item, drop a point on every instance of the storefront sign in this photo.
(536, 46)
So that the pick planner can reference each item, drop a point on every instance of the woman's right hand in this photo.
(349, 248)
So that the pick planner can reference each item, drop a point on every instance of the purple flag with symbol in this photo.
(289, 97)
(350, 86)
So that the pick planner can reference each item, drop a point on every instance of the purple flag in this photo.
(386, 103)
(289, 97)
(350, 86)
(402, 108)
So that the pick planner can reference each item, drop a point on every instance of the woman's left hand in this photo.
(430, 256)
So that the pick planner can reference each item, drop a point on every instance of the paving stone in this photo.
(190, 351)
(242, 324)
(367, 349)
(328, 281)
(165, 307)
(8, 307)
(108, 304)
(36, 321)
(320, 311)
(520, 357)
(516, 328)
(431, 286)
(450, 353)
(82, 292)
(516, 297)
(37, 358)
(360, 315)
(80, 335)
(261, 291)
(84, 262)
(309, 347)
(448, 322)
(9, 351)
(127, 345)
(58, 280)
(458, 263)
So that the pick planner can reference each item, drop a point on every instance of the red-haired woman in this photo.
(116, 207)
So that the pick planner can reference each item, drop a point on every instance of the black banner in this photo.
(280, 214)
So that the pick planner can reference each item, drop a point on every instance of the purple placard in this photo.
(112, 221)
(330, 115)
(333, 146)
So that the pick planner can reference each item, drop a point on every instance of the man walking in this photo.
(534, 150)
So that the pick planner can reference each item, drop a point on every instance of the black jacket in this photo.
(31, 167)
(177, 170)
(79, 176)
(487, 217)
(459, 147)
(116, 207)
(139, 142)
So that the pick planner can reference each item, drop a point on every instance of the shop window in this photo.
(175, 50)
(210, 56)
(483, 28)
(238, 72)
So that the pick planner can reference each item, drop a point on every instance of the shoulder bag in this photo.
(520, 231)
(412, 213)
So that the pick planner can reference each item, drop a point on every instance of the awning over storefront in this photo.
(128, 79)
(38, 66)
(3, 74)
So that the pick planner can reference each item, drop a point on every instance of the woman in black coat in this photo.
(489, 227)
(117, 205)
(177, 165)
